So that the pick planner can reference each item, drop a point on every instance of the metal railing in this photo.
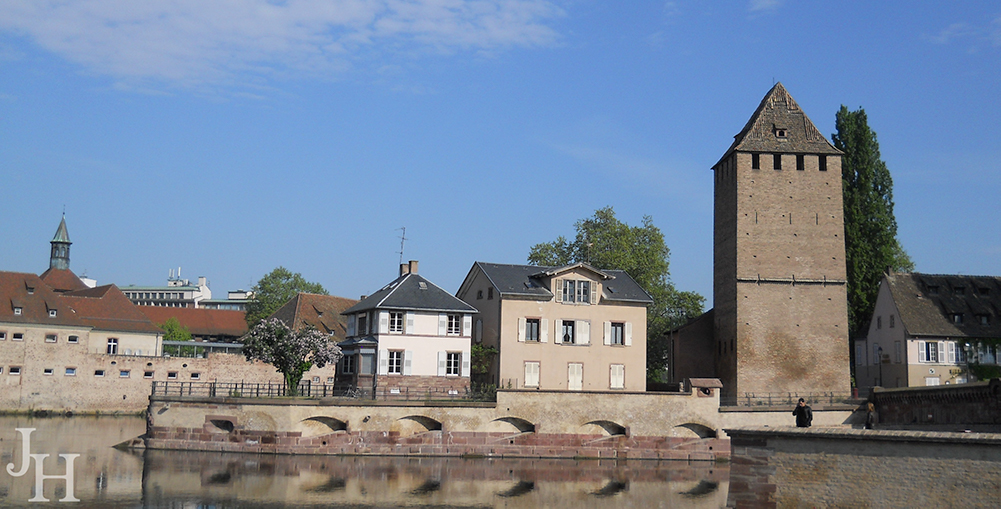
(767, 399)
(309, 390)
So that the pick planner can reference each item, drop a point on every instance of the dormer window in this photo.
(985, 320)
(570, 291)
(957, 318)
(932, 290)
(17, 311)
(31, 290)
(780, 133)
(959, 290)
(52, 313)
(984, 291)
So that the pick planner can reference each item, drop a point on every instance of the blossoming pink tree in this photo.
(291, 352)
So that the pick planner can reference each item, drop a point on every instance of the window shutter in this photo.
(521, 330)
(383, 362)
(408, 361)
(558, 289)
(531, 374)
(922, 352)
(608, 333)
(544, 331)
(383, 322)
(465, 364)
(467, 325)
(351, 325)
(410, 323)
(629, 334)
(952, 352)
(941, 353)
(442, 324)
(441, 363)
(559, 332)
(594, 292)
(583, 332)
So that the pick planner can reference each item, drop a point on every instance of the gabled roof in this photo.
(35, 298)
(927, 303)
(530, 281)
(200, 322)
(778, 110)
(323, 312)
(63, 280)
(107, 308)
(412, 292)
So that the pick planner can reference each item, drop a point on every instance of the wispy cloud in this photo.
(762, 5)
(967, 33)
(193, 43)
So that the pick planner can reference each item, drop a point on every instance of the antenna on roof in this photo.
(403, 239)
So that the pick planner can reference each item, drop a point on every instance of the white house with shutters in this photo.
(410, 336)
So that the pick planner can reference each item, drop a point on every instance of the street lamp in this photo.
(879, 359)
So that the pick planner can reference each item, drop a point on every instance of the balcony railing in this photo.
(768, 399)
(309, 390)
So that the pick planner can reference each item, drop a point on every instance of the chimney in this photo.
(363, 297)
(413, 267)
(404, 268)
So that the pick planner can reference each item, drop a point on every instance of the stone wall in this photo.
(417, 385)
(863, 468)
(977, 403)
(125, 381)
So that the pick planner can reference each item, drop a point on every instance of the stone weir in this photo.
(527, 424)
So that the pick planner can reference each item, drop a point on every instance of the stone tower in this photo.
(59, 257)
(780, 303)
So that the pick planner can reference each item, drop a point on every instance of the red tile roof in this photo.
(35, 306)
(104, 307)
(201, 322)
(62, 280)
(107, 308)
(320, 311)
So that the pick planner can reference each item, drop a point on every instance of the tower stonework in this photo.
(779, 292)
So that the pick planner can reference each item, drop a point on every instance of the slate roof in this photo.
(321, 311)
(200, 322)
(778, 110)
(412, 292)
(927, 303)
(529, 281)
(63, 280)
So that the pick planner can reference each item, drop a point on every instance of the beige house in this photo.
(928, 329)
(561, 328)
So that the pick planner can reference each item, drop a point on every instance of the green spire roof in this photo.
(61, 234)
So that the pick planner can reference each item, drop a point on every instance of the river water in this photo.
(110, 478)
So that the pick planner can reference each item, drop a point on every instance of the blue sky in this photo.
(231, 137)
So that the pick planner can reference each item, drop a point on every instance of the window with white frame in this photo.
(99, 373)
(70, 371)
(73, 339)
(569, 290)
(172, 375)
(573, 291)
(47, 371)
(453, 363)
(52, 313)
(51, 338)
(617, 376)
(395, 362)
(18, 336)
(15, 370)
(618, 333)
(928, 351)
(17, 312)
(112, 346)
(396, 319)
(196, 376)
(531, 373)
(454, 325)
(3, 336)
(125, 373)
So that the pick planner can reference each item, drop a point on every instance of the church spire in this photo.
(59, 258)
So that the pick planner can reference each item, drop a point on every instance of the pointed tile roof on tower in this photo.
(779, 125)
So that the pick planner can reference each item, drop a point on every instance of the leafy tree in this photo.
(291, 352)
(274, 290)
(871, 245)
(174, 331)
(604, 242)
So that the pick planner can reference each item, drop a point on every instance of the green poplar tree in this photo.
(871, 245)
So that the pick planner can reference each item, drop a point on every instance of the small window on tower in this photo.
(822, 163)
(755, 161)
(777, 161)
(780, 133)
